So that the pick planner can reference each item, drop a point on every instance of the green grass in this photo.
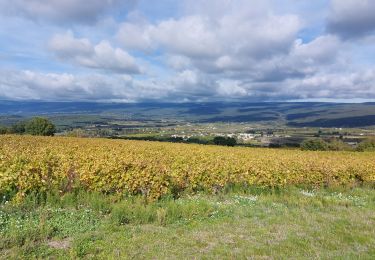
(253, 223)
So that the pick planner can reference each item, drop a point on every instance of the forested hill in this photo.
(292, 114)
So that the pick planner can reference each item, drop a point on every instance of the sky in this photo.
(187, 50)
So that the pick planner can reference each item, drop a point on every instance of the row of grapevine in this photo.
(41, 164)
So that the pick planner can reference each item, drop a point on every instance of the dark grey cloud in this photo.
(352, 18)
(63, 11)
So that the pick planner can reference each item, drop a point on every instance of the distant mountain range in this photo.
(298, 114)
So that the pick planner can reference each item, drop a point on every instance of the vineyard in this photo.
(42, 164)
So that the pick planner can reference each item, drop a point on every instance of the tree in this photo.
(18, 128)
(314, 145)
(338, 145)
(228, 141)
(366, 145)
(40, 126)
(3, 130)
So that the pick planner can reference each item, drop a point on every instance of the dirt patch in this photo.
(60, 244)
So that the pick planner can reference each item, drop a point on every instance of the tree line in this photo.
(337, 145)
(218, 140)
(34, 126)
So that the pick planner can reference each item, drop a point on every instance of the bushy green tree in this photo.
(40, 126)
(367, 145)
(314, 145)
(228, 141)
(18, 128)
(338, 145)
(3, 130)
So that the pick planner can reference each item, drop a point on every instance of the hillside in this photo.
(288, 114)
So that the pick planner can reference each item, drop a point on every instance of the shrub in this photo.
(40, 126)
(3, 130)
(314, 145)
(367, 145)
(228, 141)
(338, 145)
(18, 128)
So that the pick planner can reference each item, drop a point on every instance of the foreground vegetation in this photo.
(98, 198)
(48, 164)
(234, 224)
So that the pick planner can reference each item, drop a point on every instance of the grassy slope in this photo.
(261, 224)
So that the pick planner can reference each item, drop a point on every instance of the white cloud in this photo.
(229, 43)
(231, 88)
(235, 50)
(198, 37)
(178, 62)
(55, 86)
(334, 85)
(185, 86)
(67, 46)
(135, 36)
(101, 56)
(187, 78)
(192, 36)
(304, 59)
(203, 50)
(320, 50)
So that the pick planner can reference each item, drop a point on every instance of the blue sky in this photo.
(187, 50)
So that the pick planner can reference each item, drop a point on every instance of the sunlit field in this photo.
(98, 198)
(153, 170)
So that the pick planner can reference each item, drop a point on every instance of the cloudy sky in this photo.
(187, 50)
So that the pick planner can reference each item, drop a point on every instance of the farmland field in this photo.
(99, 198)
(40, 164)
